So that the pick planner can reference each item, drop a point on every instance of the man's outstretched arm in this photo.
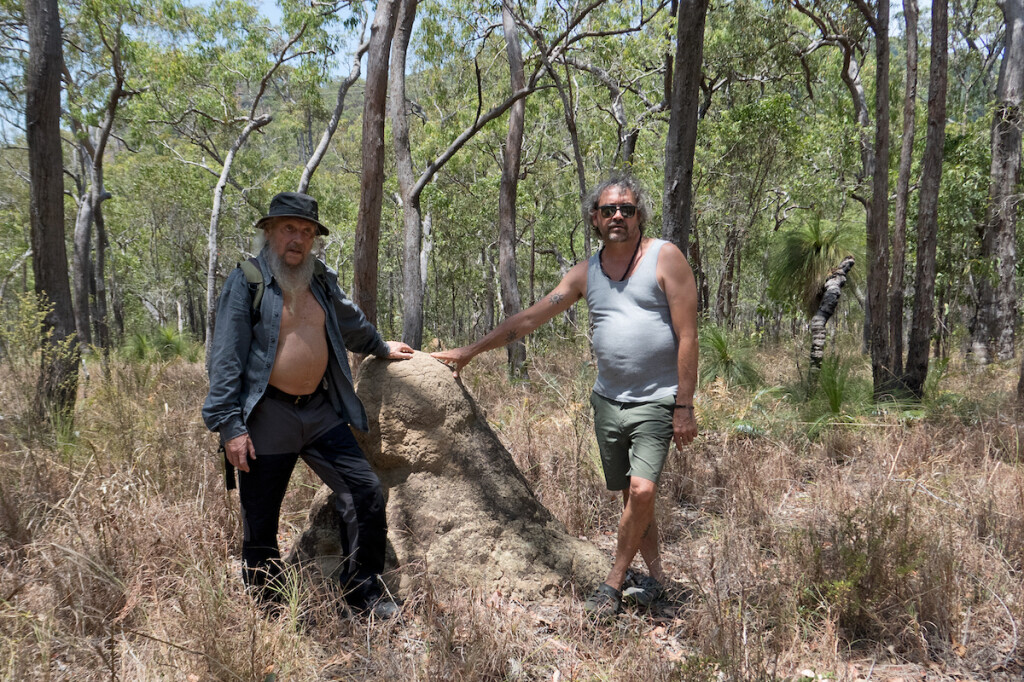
(571, 289)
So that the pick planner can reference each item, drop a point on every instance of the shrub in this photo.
(880, 569)
(725, 359)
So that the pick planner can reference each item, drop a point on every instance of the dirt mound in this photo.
(460, 512)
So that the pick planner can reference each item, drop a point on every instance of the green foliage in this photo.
(27, 345)
(725, 358)
(806, 254)
(166, 343)
(837, 397)
(139, 347)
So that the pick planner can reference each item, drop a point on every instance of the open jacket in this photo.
(245, 345)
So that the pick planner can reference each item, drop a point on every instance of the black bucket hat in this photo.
(294, 205)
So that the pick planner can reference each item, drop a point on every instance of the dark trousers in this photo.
(339, 462)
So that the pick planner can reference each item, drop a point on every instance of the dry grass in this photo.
(888, 546)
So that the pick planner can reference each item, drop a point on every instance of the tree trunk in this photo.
(412, 291)
(899, 235)
(927, 215)
(1020, 387)
(681, 143)
(694, 256)
(577, 153)
(81, 270)
(371, 185)
(489, 294)
(878, 217)
(427, 246)
(100, 272)
(832, 288)
(998, 298)
(511, 300)
(729, 251)
(58, 377)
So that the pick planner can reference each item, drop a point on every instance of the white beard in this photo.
(291, 279)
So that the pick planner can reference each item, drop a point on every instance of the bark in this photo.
(489, 293)
(927, 215)
(371, 186)
(697, 264)
(58, 377)
(1020, 387)
(681, 143)
(730, 254)
(82, 270)
(511, 300)
(427, 247)
(832, 288)
(899, 234)
(878, 216)
(100, 273)
(412, 290)
(998, 297)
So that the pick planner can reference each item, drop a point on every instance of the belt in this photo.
(297, 400)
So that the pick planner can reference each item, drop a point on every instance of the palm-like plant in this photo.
(722, 358)
(806, 255)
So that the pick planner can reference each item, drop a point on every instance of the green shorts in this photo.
(634, 438)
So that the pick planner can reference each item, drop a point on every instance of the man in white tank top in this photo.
(643, 304)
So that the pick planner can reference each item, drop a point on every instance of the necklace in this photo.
(600, 258)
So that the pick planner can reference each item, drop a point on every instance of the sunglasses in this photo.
(608, 210)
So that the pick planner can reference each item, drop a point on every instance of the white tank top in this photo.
(634, 342)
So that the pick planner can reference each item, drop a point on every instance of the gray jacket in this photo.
(242, 353)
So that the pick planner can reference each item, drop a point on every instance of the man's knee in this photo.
(641, 491)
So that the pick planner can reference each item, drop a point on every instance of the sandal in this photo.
(604, 602)
(644, 591)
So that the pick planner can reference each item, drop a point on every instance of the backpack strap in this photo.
(254, 277)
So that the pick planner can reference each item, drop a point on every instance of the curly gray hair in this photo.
(622, 181)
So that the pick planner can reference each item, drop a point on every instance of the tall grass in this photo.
(118, 548)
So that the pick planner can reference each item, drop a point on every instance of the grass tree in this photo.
(813, 260)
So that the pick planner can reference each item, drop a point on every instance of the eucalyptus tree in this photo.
(546, 47)
(371, 186)
(846, 28)
(927, 215)
(750, 118)
(998, 312)
(507, 194)
(680, 144)
(58, 381)
(882, 374)
(899, 227)
(98, 66)
(209, 80)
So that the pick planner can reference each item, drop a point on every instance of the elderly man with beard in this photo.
(281, 388)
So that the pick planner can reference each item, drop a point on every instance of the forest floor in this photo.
(808, 538)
